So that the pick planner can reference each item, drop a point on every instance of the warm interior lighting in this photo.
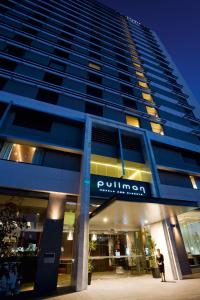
(133, 121)
(56, 204)
(108, 166)
(152, 111)
(115, 166)
(193, 182)
(143, 84)
(147, 97)
(94, 66)
(134, 175)
(94, 237)
(134, 52)
(137, 65)
(157, 128)
(140, 74)
(105, 220)
(22, 153)
(70, 236)
(135, 58)
(146, 221)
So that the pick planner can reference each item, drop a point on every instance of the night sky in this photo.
(177, 23)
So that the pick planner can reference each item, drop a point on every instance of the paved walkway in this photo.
(137, 288)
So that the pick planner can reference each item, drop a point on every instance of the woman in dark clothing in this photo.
(160, 262)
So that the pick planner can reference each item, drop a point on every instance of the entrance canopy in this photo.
(125, 215)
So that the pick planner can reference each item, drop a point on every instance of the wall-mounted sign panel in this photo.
(104, 186)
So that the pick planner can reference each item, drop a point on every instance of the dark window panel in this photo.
(29, 30)
(15, 51)
(57, 65)
(122, 67)
(95, 48)
(93, 109)
(175, 179)
(104, 136)
(60, 160)
(32, 120)
(124, 77)
(129, 103)
(92, 91)
(7, 64)
(94, 55)
(47, 96)
(52, 78)
(61, 53)
(2, 108)
(3, 82)
(22, 39)
(94, 78)
(64, 44)
(126, 89)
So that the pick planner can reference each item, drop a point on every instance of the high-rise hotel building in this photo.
(99, 140)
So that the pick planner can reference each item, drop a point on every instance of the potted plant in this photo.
(92, 247)
(152, 260)
(11, 226)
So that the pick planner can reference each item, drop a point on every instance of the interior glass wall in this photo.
(121, 252)
(21, 219)
(190, 228)
(108, 166)
(66, 258)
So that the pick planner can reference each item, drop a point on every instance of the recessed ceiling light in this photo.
(146, 221)
(105, 220)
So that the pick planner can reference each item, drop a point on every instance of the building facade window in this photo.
(94, 66)
(147, 97)
(152, 111)
(109, 166)
(140, 74)
(17, 152)
(132, 121)
(94, 78)
(92, 91)
(157, 128)
(143, 85)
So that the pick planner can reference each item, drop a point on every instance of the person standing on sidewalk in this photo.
(161, 266)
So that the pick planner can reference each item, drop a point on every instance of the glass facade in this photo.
(62, 71)
(66, 257)
(107, 166)
(190, 228)
(25, 247)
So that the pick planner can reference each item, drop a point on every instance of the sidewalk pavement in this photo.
(137, 288)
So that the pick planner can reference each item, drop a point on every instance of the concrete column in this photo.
(81, 236)
(159, 237)
(50, 246)
(177, 244)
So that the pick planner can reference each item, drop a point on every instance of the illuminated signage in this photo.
(107, 186)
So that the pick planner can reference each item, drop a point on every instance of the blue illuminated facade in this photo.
(81, 83)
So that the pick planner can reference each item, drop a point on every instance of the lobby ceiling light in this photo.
(94, 237)
(105, 220)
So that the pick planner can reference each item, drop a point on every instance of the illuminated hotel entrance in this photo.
(127, 235)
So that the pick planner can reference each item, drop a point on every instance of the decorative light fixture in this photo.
(70, 236)
(94, 237)
(28, 224)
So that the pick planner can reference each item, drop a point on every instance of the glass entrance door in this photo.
(119, 253)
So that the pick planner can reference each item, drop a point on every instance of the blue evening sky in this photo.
(177, 22)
